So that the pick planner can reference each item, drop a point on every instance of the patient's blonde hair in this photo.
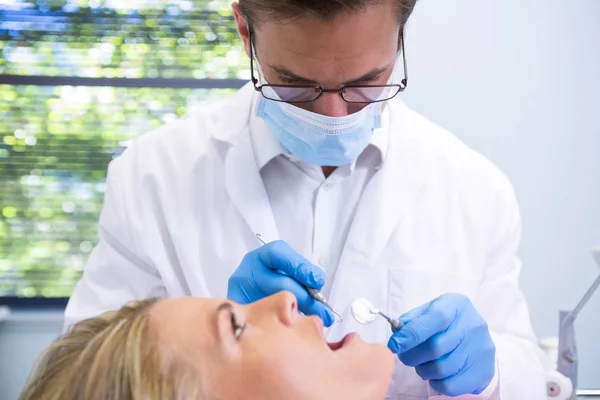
(114, 356)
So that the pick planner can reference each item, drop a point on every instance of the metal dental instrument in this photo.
(314, 293)
(396, 325)
(365, 313)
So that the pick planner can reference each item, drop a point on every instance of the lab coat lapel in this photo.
(246, 189)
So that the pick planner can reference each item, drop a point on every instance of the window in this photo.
(78, 80)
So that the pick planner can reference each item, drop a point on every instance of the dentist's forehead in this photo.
(342, 49)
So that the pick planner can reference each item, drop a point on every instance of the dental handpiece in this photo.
(314, 293)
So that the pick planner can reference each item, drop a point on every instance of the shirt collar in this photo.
(266, 147)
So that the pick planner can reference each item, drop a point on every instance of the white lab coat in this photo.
(184, 202)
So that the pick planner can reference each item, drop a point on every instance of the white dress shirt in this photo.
(313, 213)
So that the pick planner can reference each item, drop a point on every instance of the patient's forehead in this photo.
(185, 332)
(185, 325)
(172, 309)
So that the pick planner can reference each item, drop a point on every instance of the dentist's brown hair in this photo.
(257, 11)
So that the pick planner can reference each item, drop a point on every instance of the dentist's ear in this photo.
(242, 26)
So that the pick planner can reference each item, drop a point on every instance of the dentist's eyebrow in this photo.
(369, 76)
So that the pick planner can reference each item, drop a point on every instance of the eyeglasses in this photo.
(350, 93)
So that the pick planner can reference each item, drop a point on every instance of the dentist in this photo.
(354, 193)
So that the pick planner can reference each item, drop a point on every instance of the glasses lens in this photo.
(369, 94)
(292, 94)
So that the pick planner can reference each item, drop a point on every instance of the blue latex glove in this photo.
(273, 268)
(449, 344)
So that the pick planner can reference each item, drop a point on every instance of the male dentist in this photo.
(354, 193)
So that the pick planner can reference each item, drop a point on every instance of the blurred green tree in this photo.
(56, 141)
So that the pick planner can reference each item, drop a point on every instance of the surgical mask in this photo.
(320, 139)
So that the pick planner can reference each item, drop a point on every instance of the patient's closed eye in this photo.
(237, 328)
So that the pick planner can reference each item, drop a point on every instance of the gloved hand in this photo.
(449, 344)
(273, 268)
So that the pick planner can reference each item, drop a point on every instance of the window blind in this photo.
(78, 81)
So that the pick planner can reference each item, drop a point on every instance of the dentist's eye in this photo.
(372, 79)
(291, 81)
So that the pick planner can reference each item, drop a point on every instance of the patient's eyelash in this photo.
(237, 329)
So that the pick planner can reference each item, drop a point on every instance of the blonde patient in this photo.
(199, 348)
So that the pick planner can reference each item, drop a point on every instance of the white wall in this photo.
(21, 341)
(519, 80)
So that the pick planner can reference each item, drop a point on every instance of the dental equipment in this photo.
(568, 359)
(364, 313)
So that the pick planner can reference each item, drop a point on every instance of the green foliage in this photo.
(56, 141)
(108, 42)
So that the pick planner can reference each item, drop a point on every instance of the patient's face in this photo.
(267, 350)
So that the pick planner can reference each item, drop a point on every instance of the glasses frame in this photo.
(319, 89)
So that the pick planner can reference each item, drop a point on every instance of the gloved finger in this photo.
(433, 348)
(464, 382)
(313, 307)
(415, 312)
(444, 367)
(279, 255)
(433, 319)
(274, 282)
(451, 386)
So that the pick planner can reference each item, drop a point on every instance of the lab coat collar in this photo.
(247, 191)
(238, 106)
(266, 147)
(242, 179)
(264, 144)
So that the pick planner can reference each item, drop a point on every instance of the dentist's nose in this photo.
(331, 104)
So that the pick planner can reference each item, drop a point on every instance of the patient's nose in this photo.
(283, 305)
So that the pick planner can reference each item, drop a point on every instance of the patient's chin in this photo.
(364, 371)
(382, 369)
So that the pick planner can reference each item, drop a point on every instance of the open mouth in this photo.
(345, 342)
